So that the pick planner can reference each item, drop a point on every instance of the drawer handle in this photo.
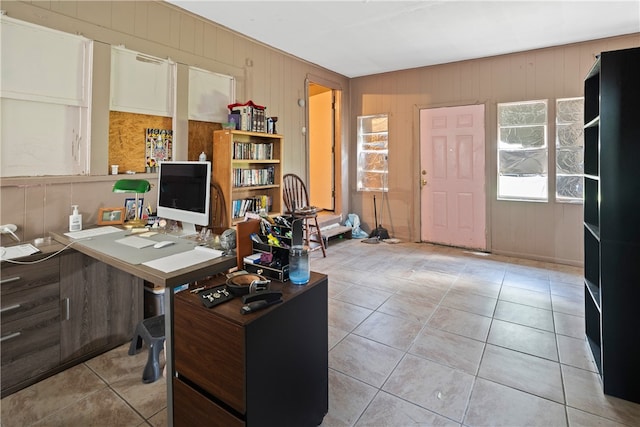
(10, 308)
(10, 279)
(10, 336)
(66, 308)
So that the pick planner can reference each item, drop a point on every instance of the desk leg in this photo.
(168, 336)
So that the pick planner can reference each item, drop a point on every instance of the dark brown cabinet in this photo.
(30, 318)
(268, 368)
(101, 306)
(61, 311)
(611, 218)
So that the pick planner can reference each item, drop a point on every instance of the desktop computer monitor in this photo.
(184, 193)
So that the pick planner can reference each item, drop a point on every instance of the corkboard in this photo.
(201, 139)
(127, 132)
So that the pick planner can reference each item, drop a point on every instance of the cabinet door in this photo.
(101, 305)
(141, 84)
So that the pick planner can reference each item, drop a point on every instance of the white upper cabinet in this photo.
(141, 83)
(45, 101)
(209, 95)
(45, 65)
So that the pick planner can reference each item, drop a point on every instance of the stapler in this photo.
(259, 300)
(261, 295)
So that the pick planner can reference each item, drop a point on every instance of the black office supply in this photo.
(214, 296)
(262, 296)
(258, 305)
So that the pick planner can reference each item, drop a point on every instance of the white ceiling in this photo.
(363, 37)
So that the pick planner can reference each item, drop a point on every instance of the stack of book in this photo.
(251, 117)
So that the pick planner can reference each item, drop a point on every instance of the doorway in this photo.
(452, 168)
(324, 124)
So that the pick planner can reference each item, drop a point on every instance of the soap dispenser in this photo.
(75, 219)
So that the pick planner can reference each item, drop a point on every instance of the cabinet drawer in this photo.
(19, 305)
(36, 363)
(30, 346)
(191, 408)
(24, 336)
(203, 341)
(19, 278)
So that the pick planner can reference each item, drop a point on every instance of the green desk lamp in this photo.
(133, 186)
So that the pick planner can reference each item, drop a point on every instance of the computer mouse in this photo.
(163, 244)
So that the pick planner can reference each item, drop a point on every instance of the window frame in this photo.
(580, 122)
(545, 148)
(362, 151)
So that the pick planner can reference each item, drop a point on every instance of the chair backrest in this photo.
(294, 193)
(218, 221)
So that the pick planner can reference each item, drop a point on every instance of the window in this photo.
(373, 150)
(522, 151)
(569, 149)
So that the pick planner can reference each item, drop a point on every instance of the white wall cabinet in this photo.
(141, 83)
(45, 100)
(209, 95)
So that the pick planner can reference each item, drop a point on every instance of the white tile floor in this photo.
(418, 335)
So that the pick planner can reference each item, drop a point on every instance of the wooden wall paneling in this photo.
(187, 30)
(210, 40)
(127, 135)
(198, 37)
(68, 8)
(34, 207)
(200, 138)
(58, 208)
(545, 78)
(11, 197)
(469, 81)
(160, 27)
(98, 14)
(261, 76)
(141, 19)
(123, 16)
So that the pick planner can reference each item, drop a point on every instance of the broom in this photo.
(379, 232)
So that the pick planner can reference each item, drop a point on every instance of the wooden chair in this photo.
(296, 203)
(218, 221)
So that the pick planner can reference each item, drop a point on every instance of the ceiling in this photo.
(363, 37)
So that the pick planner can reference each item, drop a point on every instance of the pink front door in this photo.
(452, 167)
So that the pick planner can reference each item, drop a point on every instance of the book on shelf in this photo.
(253, 177)
(252, 151)
(240, 207)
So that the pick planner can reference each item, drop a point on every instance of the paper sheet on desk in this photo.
(18, 251)
(184, 259)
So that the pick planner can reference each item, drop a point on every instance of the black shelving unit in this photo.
(612, 219)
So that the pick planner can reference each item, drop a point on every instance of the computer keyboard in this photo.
(92, 232)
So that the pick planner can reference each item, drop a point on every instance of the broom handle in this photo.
(375, 211)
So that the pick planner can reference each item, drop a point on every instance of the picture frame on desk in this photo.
(111, 216)
(129, 206)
